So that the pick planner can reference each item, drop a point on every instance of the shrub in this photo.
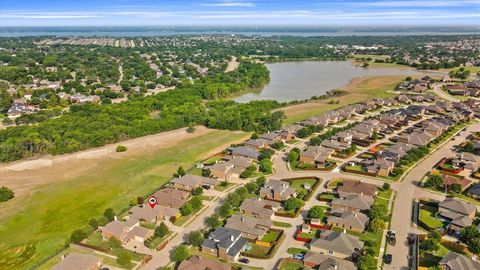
(114, 243)
(161, 230)
(93, 223)
(5, 194)
(197, 191)
(77, 236)
(292, 204)
(316, 212)
(386, 186)
(121, 148)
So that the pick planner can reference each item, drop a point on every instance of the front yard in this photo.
(271, 236)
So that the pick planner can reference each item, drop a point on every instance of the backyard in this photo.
(427, 217)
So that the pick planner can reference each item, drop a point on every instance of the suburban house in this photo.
(315, 154)
(319, 261)
(335, 145)
(232, 168)
(244, 151)
(125, 231)
(190, 182)
(474, 191)
(171, 197)
(19, 107)
(380, 167)
(338, 244)
(346, 219)
(202, 263)
(467, 160)
(256, 143)
(460, 214)
(449, 180)
(356, 187)
(277, 190)
(271, 138)
(221, 169)
(224, 243)
(455, 261)
(78, 261)
(416, 138)
(153, 215)
(353, 202)
(257, 207)
(250, 227)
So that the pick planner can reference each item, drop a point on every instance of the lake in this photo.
(302, 80)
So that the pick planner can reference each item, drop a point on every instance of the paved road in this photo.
(436, 88)
(407, 191)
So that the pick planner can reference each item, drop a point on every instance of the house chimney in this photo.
(335, 265)
(62, 257)
(232, 238)
(344, 230)
(115, 218)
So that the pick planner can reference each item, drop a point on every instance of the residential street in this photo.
(406, 191)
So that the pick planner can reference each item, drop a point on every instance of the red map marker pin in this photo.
(152, 201)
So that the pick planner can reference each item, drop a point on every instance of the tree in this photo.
(180, 253)
(266, 166)
(376, 225)
(5, 194)
(161, 230)
(316, 212)
(386, 186)
(292, 204)
(378, 211)
(292, 156)
(186, 209)
(140, 200)
(367, 262)
(434, 181)
(93, 223)
(456, 188)
(109, 214)
(121, 148)
(261, 181)
(429, 244)
(180, 172)
(124, 258)
(474, 245)
(206, 173)
(114, 243)
(197, 191)
(254, 136)
(213, 221)
(252, 187)
(77, 236)
(195, 238)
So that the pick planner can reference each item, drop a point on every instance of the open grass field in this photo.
(48, 215)
(359, 89)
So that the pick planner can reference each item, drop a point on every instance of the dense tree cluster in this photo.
(89, 125)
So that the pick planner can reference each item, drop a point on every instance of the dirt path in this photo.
(18, 175)
(232, 65)
(120, 78)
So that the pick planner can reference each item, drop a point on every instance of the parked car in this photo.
(298, 256)
(387, 258)
(244, 260)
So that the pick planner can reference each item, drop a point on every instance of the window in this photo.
(330, 252)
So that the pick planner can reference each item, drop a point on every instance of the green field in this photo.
(358, 90)
(49, 215)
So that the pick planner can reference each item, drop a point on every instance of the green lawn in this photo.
(293, 251)
(48, 215)
(282, 224)
(291, 266)
(270, 236)
(355, 168)
(385, 193)
(299, 184)
(361, 90)
(427, 216)
(222, 187)
(257, 250)
(333, 184)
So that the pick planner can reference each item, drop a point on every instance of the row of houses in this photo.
(471, 88)
(417, 85)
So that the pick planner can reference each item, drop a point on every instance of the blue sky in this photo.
(238, 12)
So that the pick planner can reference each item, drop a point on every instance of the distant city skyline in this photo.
(238, 13)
